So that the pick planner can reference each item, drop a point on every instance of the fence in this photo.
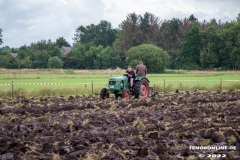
(91, 84)
(154, 85)
(218, 84)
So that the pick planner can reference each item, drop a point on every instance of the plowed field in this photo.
(161, 127)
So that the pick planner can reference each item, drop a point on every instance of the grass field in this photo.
(65, 82)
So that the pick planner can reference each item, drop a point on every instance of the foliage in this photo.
(155, 58)
(190, 48)
(136, 30)
(62, 42)
(229, 46)
(1, 42)
(191, 44)
(107, 58)
(27, 63)
(55, 62)
(210, 40)
(22, 63)
(92, 57)
(76, 59)
(4, 61)
(208, 58)
(101, 34)
(169, 37)
(40, 59)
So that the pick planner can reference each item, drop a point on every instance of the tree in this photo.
(111, 59)
(101, 34)
(137, 30)
(24, 63)
(1, 42)
(208, 58)
(18, 63)
(55, 51)
(107, 58)
(62, 42)
(192, 18)
(155, 58)
(190, 48)
(40, 59)
(23, 52)
(4, 61)
(37, 54)
(235, 58)
(169, 37)
(229, 45)
(129, 34)
(210, 45)
(5, 48)
(238, 17)
(91, 57)
(76, 58)
(27, 63)
(51, 48)
(55, 62)
(149, 27)
(12, 63)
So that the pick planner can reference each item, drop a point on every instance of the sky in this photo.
(26, 21)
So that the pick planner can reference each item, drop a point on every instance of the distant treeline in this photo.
(185, 43)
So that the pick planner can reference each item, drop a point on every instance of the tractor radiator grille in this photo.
(112, 82)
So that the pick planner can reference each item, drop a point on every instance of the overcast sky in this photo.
(26, 21)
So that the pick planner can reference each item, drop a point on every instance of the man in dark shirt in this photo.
(141, 69)
(130, 74)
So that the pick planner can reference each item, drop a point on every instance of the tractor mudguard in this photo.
(140, 78)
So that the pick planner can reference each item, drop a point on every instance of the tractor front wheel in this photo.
(126, 94)
(141, 89)
(104, 94)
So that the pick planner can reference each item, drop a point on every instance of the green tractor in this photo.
(120, 87)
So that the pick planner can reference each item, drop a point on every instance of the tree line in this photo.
(176, 44)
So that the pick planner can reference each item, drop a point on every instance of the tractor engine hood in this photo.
(116, 84)
(120, 78)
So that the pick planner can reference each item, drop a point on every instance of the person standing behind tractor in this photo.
(141, 69)
(130, 74)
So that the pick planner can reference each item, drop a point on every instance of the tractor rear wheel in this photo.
(104, 94)
(141, 89)
(126, 94)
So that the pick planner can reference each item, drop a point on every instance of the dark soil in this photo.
(78, 127)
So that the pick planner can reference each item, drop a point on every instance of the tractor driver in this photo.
(130, 74)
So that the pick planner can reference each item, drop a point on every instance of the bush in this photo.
(55, 62)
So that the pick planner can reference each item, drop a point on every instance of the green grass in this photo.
(64, 81)
(181, 80)
(69, 82)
